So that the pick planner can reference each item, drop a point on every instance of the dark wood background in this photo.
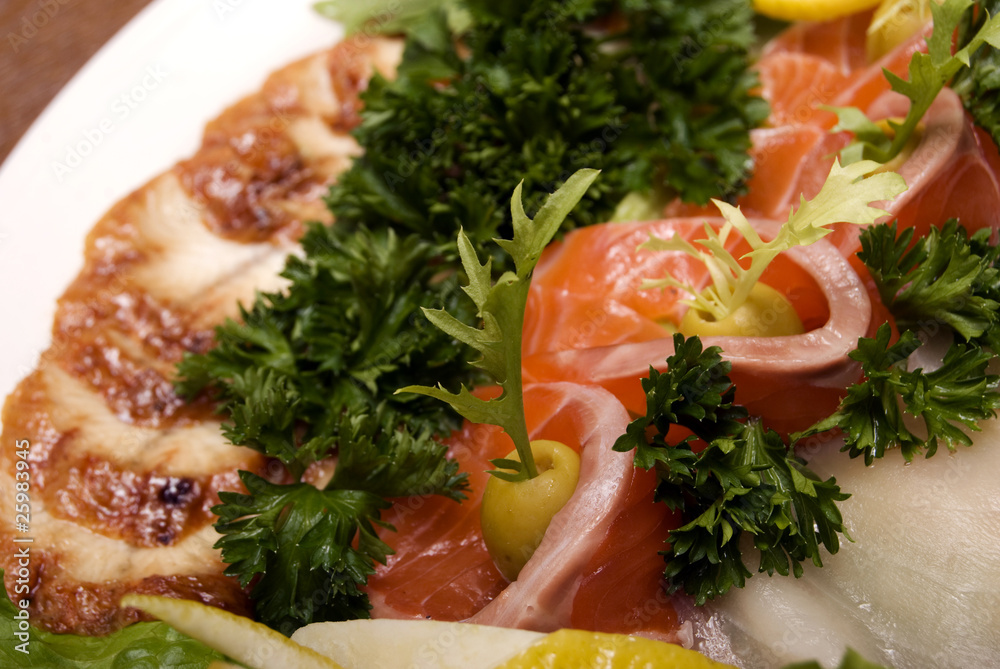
(44, 43)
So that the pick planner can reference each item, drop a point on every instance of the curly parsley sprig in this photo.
(979, 84)
(309, 373)
(944, 278)
(958, 394)
(943, 281)
(657, 95)
(744, 481)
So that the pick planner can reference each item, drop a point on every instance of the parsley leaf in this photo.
(942, 278)
(346, 334)
(393, 464)
(958, 394)
(730, 478)
(299, 539)
(309, 373)
(979, 84)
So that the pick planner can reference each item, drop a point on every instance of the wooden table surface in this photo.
(45, 42)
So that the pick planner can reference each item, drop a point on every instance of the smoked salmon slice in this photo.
(588, 322)
(441, 567)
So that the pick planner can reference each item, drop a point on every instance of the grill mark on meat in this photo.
(123, 472)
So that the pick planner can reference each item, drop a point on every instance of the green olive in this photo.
(515, 515)
(766, 313)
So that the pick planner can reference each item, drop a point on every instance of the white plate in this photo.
(137, 107)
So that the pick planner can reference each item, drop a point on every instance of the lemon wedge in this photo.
(250, 643)
(811, 10)
(595, 650)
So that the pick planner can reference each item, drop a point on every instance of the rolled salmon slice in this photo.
(588, 321)
(441, 568)
(951, 173)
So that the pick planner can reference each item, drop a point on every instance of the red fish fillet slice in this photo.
(623, 587)
(796, 85)
(801, 71)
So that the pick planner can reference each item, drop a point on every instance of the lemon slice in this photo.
(894, 22)
(575, 648)
(413, 644)
(811, 10)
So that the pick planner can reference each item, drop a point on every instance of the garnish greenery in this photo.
(656, 94)
(959, 393)
(844, 198)
(309, 373)
(945, 281)
(140, 645)
(344, 335)
(979, 84)
(928, 74)
(944, 278)
(730, 478)
(501, 309)
(484, 91)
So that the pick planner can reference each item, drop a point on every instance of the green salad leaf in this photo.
(139, 646)
(391, 18)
